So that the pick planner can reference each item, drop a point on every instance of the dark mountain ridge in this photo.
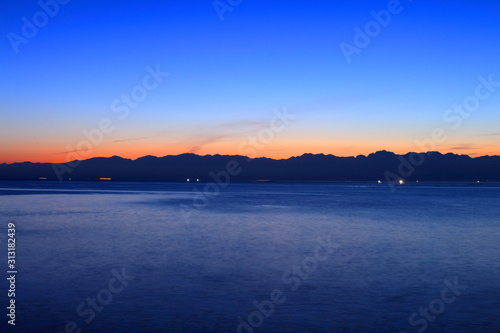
(382, 165)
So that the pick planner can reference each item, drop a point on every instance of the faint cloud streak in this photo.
(132, 139)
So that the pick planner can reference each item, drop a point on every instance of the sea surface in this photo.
(252, 257)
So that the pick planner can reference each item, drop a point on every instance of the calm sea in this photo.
(252, 257)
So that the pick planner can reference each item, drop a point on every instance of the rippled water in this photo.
(313, 257)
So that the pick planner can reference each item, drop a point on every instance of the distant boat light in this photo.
(401, 182)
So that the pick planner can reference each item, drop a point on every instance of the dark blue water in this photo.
(311, 257)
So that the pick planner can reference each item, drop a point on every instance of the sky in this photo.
(81, 79)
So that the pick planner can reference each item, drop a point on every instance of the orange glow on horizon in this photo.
(277, 150)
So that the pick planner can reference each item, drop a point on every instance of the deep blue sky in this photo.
(226, 77)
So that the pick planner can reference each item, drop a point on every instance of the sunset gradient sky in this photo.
(228, 78)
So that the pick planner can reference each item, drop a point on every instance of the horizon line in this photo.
(259, 157)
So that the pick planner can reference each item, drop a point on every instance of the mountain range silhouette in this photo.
(382, 165)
